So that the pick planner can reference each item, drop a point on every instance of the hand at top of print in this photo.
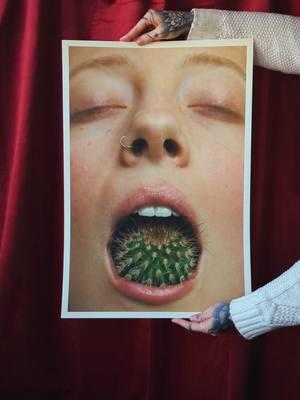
(159, 25)
(215, 320)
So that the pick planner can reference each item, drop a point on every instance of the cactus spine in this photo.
(155, 256)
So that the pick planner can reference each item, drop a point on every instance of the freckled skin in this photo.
(208, 168)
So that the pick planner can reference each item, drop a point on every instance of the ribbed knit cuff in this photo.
(246, 312)
(206, 24)
(247, 318)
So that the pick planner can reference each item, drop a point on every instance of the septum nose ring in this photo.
(123, 143)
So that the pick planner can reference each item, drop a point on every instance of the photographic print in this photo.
(157, 155)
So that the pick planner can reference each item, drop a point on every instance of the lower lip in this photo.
(149, 294)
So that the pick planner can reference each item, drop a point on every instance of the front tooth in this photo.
(146, 212)
(156, 211)
(163, 212)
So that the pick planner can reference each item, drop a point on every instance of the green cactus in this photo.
(155, 256)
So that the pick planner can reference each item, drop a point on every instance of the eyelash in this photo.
(91, 114)
(218, 113)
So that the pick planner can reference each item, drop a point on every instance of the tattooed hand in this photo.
(216, 319)
(159, 25)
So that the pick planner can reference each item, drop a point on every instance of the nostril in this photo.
(139, 146)
(171, 147)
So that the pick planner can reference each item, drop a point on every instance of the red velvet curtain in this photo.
(44, 357)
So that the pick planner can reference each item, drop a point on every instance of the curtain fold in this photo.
(42, 356)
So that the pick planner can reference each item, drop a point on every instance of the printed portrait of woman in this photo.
(157, 177)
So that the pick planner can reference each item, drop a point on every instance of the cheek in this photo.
(90, 146)
(220, 170)
(94, 156)
(220, 199)
(88, 171)
(227, 177)
(80, 192)
(227, 216)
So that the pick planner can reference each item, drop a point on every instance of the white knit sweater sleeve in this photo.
(276, 36)
(272, 306)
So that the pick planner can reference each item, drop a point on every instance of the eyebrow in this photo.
(210, 59)
(101, 62)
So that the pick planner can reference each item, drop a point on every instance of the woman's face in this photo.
(182, 111)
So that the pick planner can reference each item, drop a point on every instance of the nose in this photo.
(155, 135)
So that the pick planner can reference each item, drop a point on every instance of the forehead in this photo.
(144, 58)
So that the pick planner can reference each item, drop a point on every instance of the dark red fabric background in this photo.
(44, 357)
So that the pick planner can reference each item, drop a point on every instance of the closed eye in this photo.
(218, 113)
(94, 113)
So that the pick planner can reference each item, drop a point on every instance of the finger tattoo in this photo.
(148, 34)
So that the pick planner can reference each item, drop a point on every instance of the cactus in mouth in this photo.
(155, 256)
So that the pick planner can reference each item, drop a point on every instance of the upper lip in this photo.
(155, 195)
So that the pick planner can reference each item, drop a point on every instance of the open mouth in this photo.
(154, 250)
(155, 246)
